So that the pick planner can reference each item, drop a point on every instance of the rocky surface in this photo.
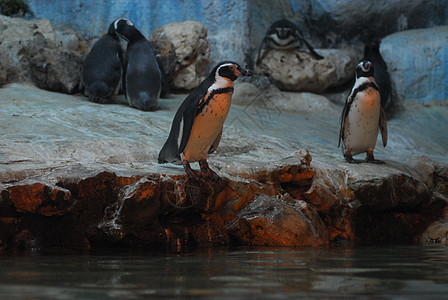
(192, 50)
(78, 174)
(332, 23)
(297, 70)
(419, 73)
(40, 52)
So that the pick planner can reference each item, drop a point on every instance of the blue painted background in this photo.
(236, 27)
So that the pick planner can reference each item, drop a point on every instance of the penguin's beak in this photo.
(243, 72)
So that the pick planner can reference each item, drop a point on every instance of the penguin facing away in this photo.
(102, 68)
(197, 126)
(362, 116)
(380, 73)
(143, 73)
(284, 34)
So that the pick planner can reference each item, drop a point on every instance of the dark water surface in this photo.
(392, 272)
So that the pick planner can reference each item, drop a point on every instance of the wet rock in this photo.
(419, 73)
(37, 50)
(38, 198)
(279, 221)
(297, 70)
(76, 174)
(192, 50)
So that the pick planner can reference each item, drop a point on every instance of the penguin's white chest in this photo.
(361, 128)
(207, 126)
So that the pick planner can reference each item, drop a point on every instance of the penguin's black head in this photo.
(364, 69)
(126, 29)
(282, 28)
(230, 70)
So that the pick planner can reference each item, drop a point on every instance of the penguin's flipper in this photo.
(215, 143)
(181, 128)
(299, 36)
(313, 53)
(341, 129)
(262, 46)
(383, 126)
(165, 85)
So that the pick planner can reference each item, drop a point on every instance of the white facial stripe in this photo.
(366, 68)
(220, 82)
(124, 19)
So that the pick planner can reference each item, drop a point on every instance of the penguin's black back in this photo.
(381, 75)
(143, 76)
(170, 152)
(102, 68)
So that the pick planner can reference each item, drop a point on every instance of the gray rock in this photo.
(297, 70)
(26, 46)
(192, 50)
(56, 70)
(166, 53)
(417, 63)
(95, 167)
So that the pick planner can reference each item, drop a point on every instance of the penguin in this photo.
(197, 126)
(102, 68)
(381, 75)
(144, 74)
(362, 116)
(284, 34)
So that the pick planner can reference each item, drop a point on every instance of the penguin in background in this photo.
(102, 68)
(143, 72)
(197, 126)
(284, 34)
(362, 116)
(382, 78)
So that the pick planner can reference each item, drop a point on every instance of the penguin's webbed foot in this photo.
(371, 159)
(349, 158)
(192, 174)
(207, 171)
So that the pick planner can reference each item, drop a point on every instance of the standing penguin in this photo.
(362, 115)
(283, 34)
(197, 125)
(382, 79)
(143, 72)
(102, 68)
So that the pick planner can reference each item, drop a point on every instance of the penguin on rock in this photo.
(144, 74)
(362, 116)
(197, 126)
(102, 68)
(284, 34)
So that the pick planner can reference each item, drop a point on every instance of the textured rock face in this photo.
(192, 49)
(77, 174)
(56, 70)
(418, 63)
(330, 23)
(298, 71)
(39, 52)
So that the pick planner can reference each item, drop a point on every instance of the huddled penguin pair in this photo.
(140, 73)
(284, 34)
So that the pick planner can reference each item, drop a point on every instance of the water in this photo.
(394, 272)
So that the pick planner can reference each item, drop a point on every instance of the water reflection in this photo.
(265, 273)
